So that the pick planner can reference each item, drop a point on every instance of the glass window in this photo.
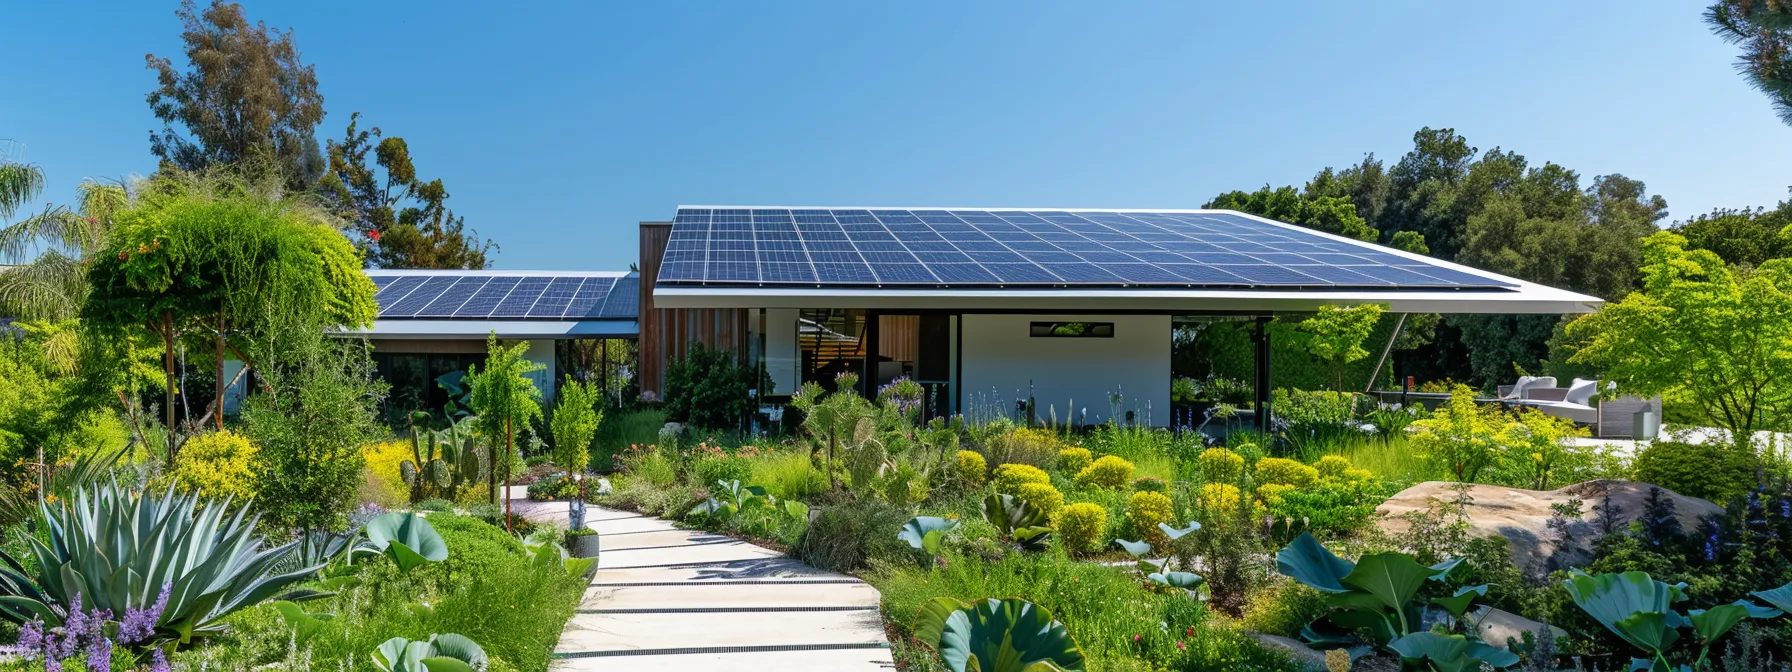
(1072, 330)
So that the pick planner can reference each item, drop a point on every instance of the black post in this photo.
(1261, 339)
(868, 382)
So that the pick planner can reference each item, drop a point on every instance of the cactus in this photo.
(450, 459)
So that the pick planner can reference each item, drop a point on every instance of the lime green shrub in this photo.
(1219, 465)
(1082, 527)
(972, 469)
(1332, 466)
(1108, 472)
(1283, 471)
(1041, 496)
(217, 465)
(706, 471)
(1146, 510)
(1071, 461)
(1036, 447)
(1009, 477)
(1150, 484)
(1220, 498)
(1271, 493)
(1715, 471)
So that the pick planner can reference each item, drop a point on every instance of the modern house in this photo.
(1071, 307)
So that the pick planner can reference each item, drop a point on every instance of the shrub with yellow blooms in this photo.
(1332, 466)
(1072, 461)
(217, 465)
(1108, 472)
(1219, 465)
(383, 481)
(972, 469)
(1146, 510)
(1271, 493)
(1283, 471)
(1082, 527)
(1009, 477)
(1041, 496)
(1219, 498)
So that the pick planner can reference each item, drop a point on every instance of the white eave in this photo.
(523, 329)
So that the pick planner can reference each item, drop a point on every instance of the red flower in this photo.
(375, 235)
(1135, 638)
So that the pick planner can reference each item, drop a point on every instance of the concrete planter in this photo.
(584, 546)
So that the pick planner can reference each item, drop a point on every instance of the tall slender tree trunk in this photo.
(220, 397)
(168, 387)
(509, 447)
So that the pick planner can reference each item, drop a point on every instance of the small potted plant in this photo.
(582, 542)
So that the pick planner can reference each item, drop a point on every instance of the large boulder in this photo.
(1522, 516)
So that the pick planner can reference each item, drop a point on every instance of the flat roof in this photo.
(1008, 259)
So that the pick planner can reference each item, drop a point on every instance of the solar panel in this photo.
(946, 248)
(484, 295)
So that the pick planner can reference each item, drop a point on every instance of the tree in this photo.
(421, 234)
(1336, 334)
(575, 421)
(227, 260)
(1702, 332)
(1764, 30)
(1742, 237)
(1331, 214)
(503, 397)
(247, 101)
(708, 388)
(53, 284)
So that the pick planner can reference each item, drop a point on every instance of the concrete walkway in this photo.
(666, 599)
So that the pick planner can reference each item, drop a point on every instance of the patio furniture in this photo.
(1619, 418)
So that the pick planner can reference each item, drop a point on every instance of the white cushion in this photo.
(1581, 391)
(1529, 382)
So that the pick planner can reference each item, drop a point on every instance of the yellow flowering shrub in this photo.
(1108, 472)
(217, 465)
(1220, 498)
(972, 469)
(1082, 527)
(1219, 465)
(1356, 475)
(384, 482)
(1041, 496)
(1150, 484)
(1071, 461)
(1271, 493)
(1283, 471)
(1009, 477)
(1332, 466)
(1146, 510)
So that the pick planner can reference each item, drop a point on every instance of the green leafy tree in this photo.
(1744, 237)
(1462, 436)
(503, 397)
(575, 421)
(1764, 30)
(403, 221)
(1702, 332)
(247, 101)
(1332, 214)
(1336, 334)
(228, 261)
(319, 407)
(708, 388)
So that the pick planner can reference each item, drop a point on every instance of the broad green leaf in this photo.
(796, 509)
(390, 656)
(1306, 561)
(1758, 611)
(403, 556)
(931, 620)
(915, 531)
(1177, 579)
(934, 543)
(1006, 636)
(1458, 603)
(1393, 578)
(457, 647)
(445, 664)
(1442, 570)
(1613, 598)
(1649, 631)
(1450, 653)
(396, 533)
(1713, 623)
(1780, 598)
(580, 567)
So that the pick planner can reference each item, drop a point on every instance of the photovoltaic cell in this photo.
(482, 295)
(521, 299)
(898, 247)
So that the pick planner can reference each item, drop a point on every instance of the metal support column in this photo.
(1261, 338)
(868, 381)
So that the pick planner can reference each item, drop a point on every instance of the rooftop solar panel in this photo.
(1052, 248)
(472, 295)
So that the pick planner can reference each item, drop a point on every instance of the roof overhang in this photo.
(523, 329)
(1529, 298)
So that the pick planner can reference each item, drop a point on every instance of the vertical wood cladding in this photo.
(666, 333)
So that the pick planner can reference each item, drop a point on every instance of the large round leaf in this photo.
(1613, 599)
(1306, 561)
(412, 532)
(917, 529)
(1393, 578)
(1007, 636)
(1450, 653)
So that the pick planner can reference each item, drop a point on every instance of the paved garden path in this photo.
(669, 599)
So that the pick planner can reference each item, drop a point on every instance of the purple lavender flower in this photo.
(77, 619)
(99, 653)
(140, 624)
(31, 637)
(158, 662)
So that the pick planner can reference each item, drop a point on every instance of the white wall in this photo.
(781, 356)
(542, 352)
(999, 353)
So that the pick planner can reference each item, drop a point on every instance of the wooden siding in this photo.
(666, 333)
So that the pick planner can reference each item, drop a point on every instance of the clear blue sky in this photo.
(558, 127)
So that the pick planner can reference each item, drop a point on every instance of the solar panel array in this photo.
(971, 248)
(486, 296)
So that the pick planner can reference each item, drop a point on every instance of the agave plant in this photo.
(407, 539)
(994, 635)
(1378, 594)
(442, 653)
(115, 549)
(1018, 520)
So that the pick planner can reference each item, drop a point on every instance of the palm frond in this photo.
(55, 229)
(19, 182)
(50, 287)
